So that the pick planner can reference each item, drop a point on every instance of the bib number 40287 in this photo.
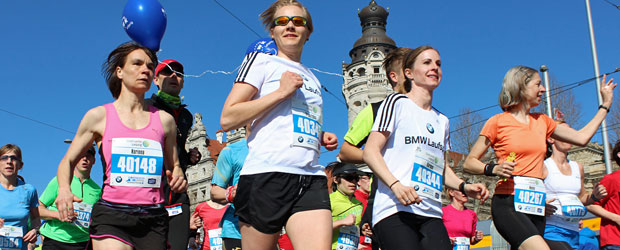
(531, 197)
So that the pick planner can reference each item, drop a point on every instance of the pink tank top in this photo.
(133, 160)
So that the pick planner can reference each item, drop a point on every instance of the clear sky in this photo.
(52, 51)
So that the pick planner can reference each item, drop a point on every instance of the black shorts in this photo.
(51, 244)
(142, 227)
(267, 200)
(514, 226)
(404, 230)
(231, 244)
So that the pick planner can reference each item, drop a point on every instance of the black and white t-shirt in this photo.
(286, 138)
(414, 154)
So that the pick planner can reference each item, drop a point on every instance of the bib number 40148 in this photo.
(129, 164)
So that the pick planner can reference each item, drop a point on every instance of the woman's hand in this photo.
(64, 204)
(405, 194)
(607, 91)
(289, 83)
(329, 141)
(30, 236)
(349, 220)
(504, 169)
(477, 191)
(176, 180)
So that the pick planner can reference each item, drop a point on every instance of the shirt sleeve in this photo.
(34, 202)
(252, 69)
(49, 194)
(360, 128)
(490, 129)
(223, 169)
(551, 125)
(387, 113)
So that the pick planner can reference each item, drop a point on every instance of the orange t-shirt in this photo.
(528, 141)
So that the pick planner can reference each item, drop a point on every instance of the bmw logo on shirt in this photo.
(430, 128)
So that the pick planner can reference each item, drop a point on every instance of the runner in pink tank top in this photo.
(136, 142)
(133, 160)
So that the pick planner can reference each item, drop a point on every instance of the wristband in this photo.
(488, 169)
(462, 187)
(229, 197)
(393, 183)
(603, 107)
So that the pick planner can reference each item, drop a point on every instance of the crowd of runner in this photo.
(269, 190)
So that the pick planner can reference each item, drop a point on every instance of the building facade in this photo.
(365, 79)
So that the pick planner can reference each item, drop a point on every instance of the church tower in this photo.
(365, 80)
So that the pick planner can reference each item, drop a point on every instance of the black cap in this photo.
(92, 150)
(345, 168)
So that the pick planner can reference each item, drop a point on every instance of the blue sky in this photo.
(52, 53)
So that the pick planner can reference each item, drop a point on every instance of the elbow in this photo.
(226, 123)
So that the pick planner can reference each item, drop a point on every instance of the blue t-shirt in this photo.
(226, 174)
(16, 204)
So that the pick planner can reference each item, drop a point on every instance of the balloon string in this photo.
(235, 70)
(327, 73)
(204, 72)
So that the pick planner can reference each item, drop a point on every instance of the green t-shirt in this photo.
(360, 128)
(341, 208)
(88, 191)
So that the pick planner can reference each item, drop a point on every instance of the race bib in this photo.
(174, 210)
(136, 162)
(461, 243)
(11, 238)
(215, 239)
(348, 238)
(83, 211)
(307, 124)
(427, 175)
(572, 210)
(530, 195)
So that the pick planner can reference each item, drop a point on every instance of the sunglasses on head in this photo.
(7, 157)
(283, 20)
(169, 69)
(350, 177)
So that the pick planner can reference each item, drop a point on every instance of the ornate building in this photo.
(364, 78)
(199, 176)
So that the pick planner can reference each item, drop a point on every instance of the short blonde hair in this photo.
(513, 86)
(268, 16)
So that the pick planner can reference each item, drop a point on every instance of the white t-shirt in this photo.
(417, 141)
(285, 138)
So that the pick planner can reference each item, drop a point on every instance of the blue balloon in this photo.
(263, 45)
(145, 22)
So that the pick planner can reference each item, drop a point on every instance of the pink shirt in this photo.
(459, 223)
(145, 148)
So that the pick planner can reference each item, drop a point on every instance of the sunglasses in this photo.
(350, 177)
(169, 69)
(7, 157)
(283, 20)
